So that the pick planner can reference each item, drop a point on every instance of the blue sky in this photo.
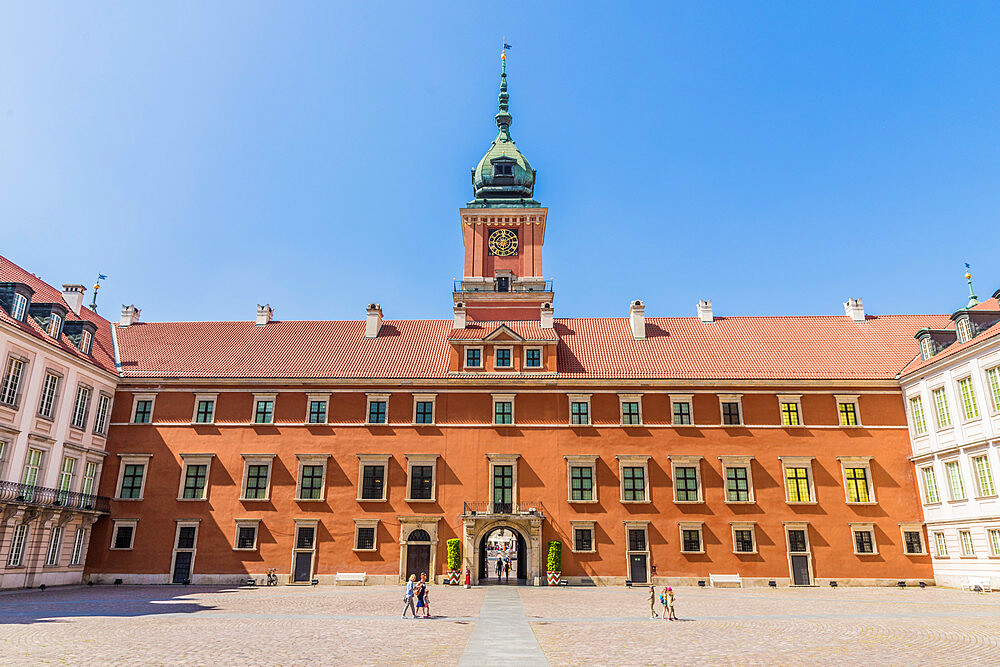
(776, 158)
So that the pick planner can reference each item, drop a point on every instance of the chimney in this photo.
(374, 321)
(705, 310)
(264, 314)
(855, 310)
(73, 296)
(460, 315)
(130, 316)
(546, 316)
(637, 318)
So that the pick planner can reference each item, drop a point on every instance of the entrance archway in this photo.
(499, 545)
(418, 553)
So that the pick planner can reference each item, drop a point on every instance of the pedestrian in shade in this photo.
(506, 569)
(499, 567)
(408, 597)
(652, 603)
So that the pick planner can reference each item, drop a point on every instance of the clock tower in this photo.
(503, 230)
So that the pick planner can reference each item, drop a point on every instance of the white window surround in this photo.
(429, 397)
(960, 399)
(247, 523)
(922, 482)
(541, 358)
(953, 497)
(54, 551)
(863, 527)
(728, 398)
(797, 400)
(504, 398)
(992, 397)
(967, 546)
(198, 398)
(691, 525)
(737, 462)
(584, 398)
(852, 399)
(19, 307)
(509, 366)
(628, 398)
(81, 412)
(798, 462)
(16, 365)
(257, 460)
(133, 523)
(263, 397)
(977, 481)
(375, 397)
(305, 523)
(678, 461)
(504, 460)
(633, 461)
(583, 525)
(644, 527)
(913, 527)
(581, 461)
(102, 417)
(366, 523)
(857, 462)
(308, 460)
(143, 397)
(993, 540)
(689, 399)
(915, 424)
(743, 525)
(946, 408)
(193, 460)
(322, 398)
(132, 459)
(418, 460)
(86, 340)
(465, 356)
(378, 460)
(49, 404)
(46, 450)
(941, 545)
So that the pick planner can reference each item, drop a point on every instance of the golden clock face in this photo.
(503, 242)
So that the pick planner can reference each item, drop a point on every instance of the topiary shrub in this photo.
(454, 554)
(554, 560)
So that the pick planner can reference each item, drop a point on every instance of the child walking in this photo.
(668, 609)
(652, 603)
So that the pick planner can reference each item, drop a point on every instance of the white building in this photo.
(57, 383)
(952, 393)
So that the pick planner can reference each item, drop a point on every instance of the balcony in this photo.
(485, 507)
(494, 286)
(13, 493)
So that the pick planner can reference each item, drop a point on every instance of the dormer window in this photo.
(501, 169)
(20, 307)
(86, 340)
(55, 325)
(964, 329)
(926, 348)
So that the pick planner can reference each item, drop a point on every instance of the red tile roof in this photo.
(528, 330)
(918, 363)
(734, 348)
(102, 351)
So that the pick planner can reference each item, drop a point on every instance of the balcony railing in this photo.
(486, 507)
(540, 286)
(39, 496)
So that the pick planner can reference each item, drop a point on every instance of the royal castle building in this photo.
(655, 449)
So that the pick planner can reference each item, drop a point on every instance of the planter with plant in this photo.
(553, 564)
(454, 561)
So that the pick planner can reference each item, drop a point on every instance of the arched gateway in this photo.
(522, 530)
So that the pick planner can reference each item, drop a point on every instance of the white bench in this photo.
(714, 579)
(982, 582)
(350, 578)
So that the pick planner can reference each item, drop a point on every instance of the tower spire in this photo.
(503, 116)
(973, 299)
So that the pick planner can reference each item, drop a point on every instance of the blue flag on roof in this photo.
(506, 45)
(101, 276)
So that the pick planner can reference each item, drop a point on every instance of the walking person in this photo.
(506, 569)
(652, 603)
(408, 597)
(427, 602)
(421, 590)
(669, 609)
(499, 567)
(663, 601)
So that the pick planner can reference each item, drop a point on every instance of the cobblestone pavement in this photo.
(155, 625)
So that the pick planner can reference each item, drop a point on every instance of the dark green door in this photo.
(503, 489)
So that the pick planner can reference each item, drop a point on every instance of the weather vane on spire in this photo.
(973, 299)
(97, 286)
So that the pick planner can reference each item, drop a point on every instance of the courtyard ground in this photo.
(165, 625)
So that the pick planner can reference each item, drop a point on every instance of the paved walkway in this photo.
(502, 634)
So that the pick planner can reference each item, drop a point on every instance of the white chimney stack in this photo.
(855, 310)
(547, 313)
(705, 310)
(460, 317)
(264, 314)
(73, 296)
(374, 321)
(637, 318)
(130, 316)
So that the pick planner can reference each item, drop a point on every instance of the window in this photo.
(503, 169)
(736, 470)
(503, 357)
(9, 390)
(731, 413)
(743, 538)
(503, 488)
(993, 382)
(636, 539)
(630, 413)
(372, 471)
(533, 357)
(89, 478)
(913, 541)
(926, 348)
(858, 478)
(798, 482)
(583, 538)
(680, 408)
(263, 412)
(473, 357)
(941, 408)
(422, 473)
(378, 408)
(131, 484)
(964, 329)
(305, 537)
(993, 535)
(687, 478)
(55, 325)
(143, 412)
(32, 467)
(4, 451)
(364, 534)
(968, 548)
(16, 552)
(848, 410)
(940, 545)
(691, 538)
(257, 484)
(312, 476)
(581, 483)
(864, 539)
(66, 475)
(103, 410)
(634, 484)
(194, 482)
(123, 535)
(246, 535)
(917, 416)
(47, 402)
(955, 484)
(790, 414)
(984, 476)
(81, 406)
(579, 412)
(76, 557)
(423, 408)
(930, 486)
(970, 408)
(55, 546)
(204, 410)
(20, 307)
(85, 340)
(186, 536)
(318, 407)
(503, 409)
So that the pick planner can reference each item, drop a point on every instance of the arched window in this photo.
(419, 535)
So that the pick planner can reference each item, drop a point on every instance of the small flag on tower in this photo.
(506, 46)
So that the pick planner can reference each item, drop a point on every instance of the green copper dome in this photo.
(503, 178)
